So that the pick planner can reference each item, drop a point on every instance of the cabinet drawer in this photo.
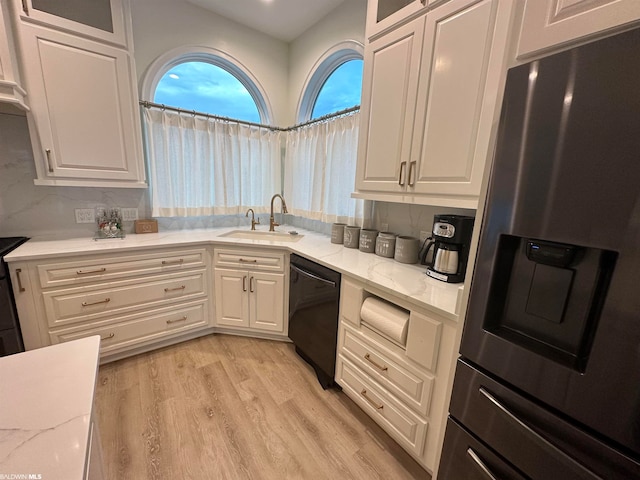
(92, 270)
(83, 303)
(399, 421)
(408, 384)
(266, 261)
(138, 329)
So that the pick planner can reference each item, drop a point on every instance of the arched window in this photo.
(208, 81)
(335, 83)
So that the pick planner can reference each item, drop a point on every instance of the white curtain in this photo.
(320, 169)
(201, 166)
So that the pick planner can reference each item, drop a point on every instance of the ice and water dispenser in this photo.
(538, 292)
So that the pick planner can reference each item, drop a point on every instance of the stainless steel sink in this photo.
(262, 235)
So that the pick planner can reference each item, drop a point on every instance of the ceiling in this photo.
(282, 19)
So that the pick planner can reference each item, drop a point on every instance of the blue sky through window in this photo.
(206, 88)
(341, 90)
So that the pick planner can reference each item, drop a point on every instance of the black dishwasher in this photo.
(314, 296)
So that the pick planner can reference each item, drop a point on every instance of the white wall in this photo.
(162, 25)
(346, 22)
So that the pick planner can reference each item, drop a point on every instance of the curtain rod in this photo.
(147, 104)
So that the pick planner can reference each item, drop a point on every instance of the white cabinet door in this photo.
(85, 123)
(550, 23)
(456, 56)
(102, 20)
(266, 301)
(391, 73)
(232, 304)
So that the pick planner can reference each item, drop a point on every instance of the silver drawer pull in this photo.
(169, 322)
(244, 260)
(181, 287)
(480, 464)
(89, 272)
(108, 337)
(49, 164)
(106, 300)
(364, 394)
(180, 261)
(20, 287)
(382, 368)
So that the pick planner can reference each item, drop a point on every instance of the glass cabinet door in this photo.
(101, 20)
(388, 7)
(385, 14)
(94, 13)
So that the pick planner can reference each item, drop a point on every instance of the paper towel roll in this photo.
(388, 319)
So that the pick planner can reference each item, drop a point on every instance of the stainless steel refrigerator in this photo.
(548, 384)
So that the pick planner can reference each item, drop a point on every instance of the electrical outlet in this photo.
(85, 215)
(424, 235)
(384, 227)
(129, 214)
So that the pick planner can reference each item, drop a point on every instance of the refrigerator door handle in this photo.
(538, 439)
(480, 464)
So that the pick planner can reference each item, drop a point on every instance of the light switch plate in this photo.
(85, 215)
(129, 214)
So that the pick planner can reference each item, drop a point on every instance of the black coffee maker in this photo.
(450, 241)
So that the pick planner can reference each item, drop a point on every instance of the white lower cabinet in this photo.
(135, 302)
(402, 387)
(249, 298)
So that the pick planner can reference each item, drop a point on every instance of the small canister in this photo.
(351, 236)
(368, 240)
(406, 249)
(337, 233)
(386, 244)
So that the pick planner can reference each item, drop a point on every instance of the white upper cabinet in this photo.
(11, 91)
(430, 103)
(98, 19)
(555, 23)
(453, 119)
(84, 121)
(389, 93)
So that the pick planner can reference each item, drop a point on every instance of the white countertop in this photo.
(407, 282)
(46, 398)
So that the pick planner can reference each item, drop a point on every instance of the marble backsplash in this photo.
(38, 211)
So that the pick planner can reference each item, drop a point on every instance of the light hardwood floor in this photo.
(225, 407)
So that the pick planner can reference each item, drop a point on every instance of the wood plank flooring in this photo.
(226, 407)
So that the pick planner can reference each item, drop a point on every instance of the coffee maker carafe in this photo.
(451, 240)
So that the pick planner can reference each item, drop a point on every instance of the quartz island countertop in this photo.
(408, 282)
(46, 403)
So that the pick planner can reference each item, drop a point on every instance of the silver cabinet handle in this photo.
(106, 300)
(89, 272)
(403, 170)
(173, 262)
(251, 284)
(20, 286)
(377, 406)
(169, 322)
(244, 260)
(538, 439)
(244, 283)
(25, 7)
(412, 173)
(108, 337)
(50, 165)
(423, 2)
(480, 464)
(382, 368)
(181, 287)
(312, 276)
